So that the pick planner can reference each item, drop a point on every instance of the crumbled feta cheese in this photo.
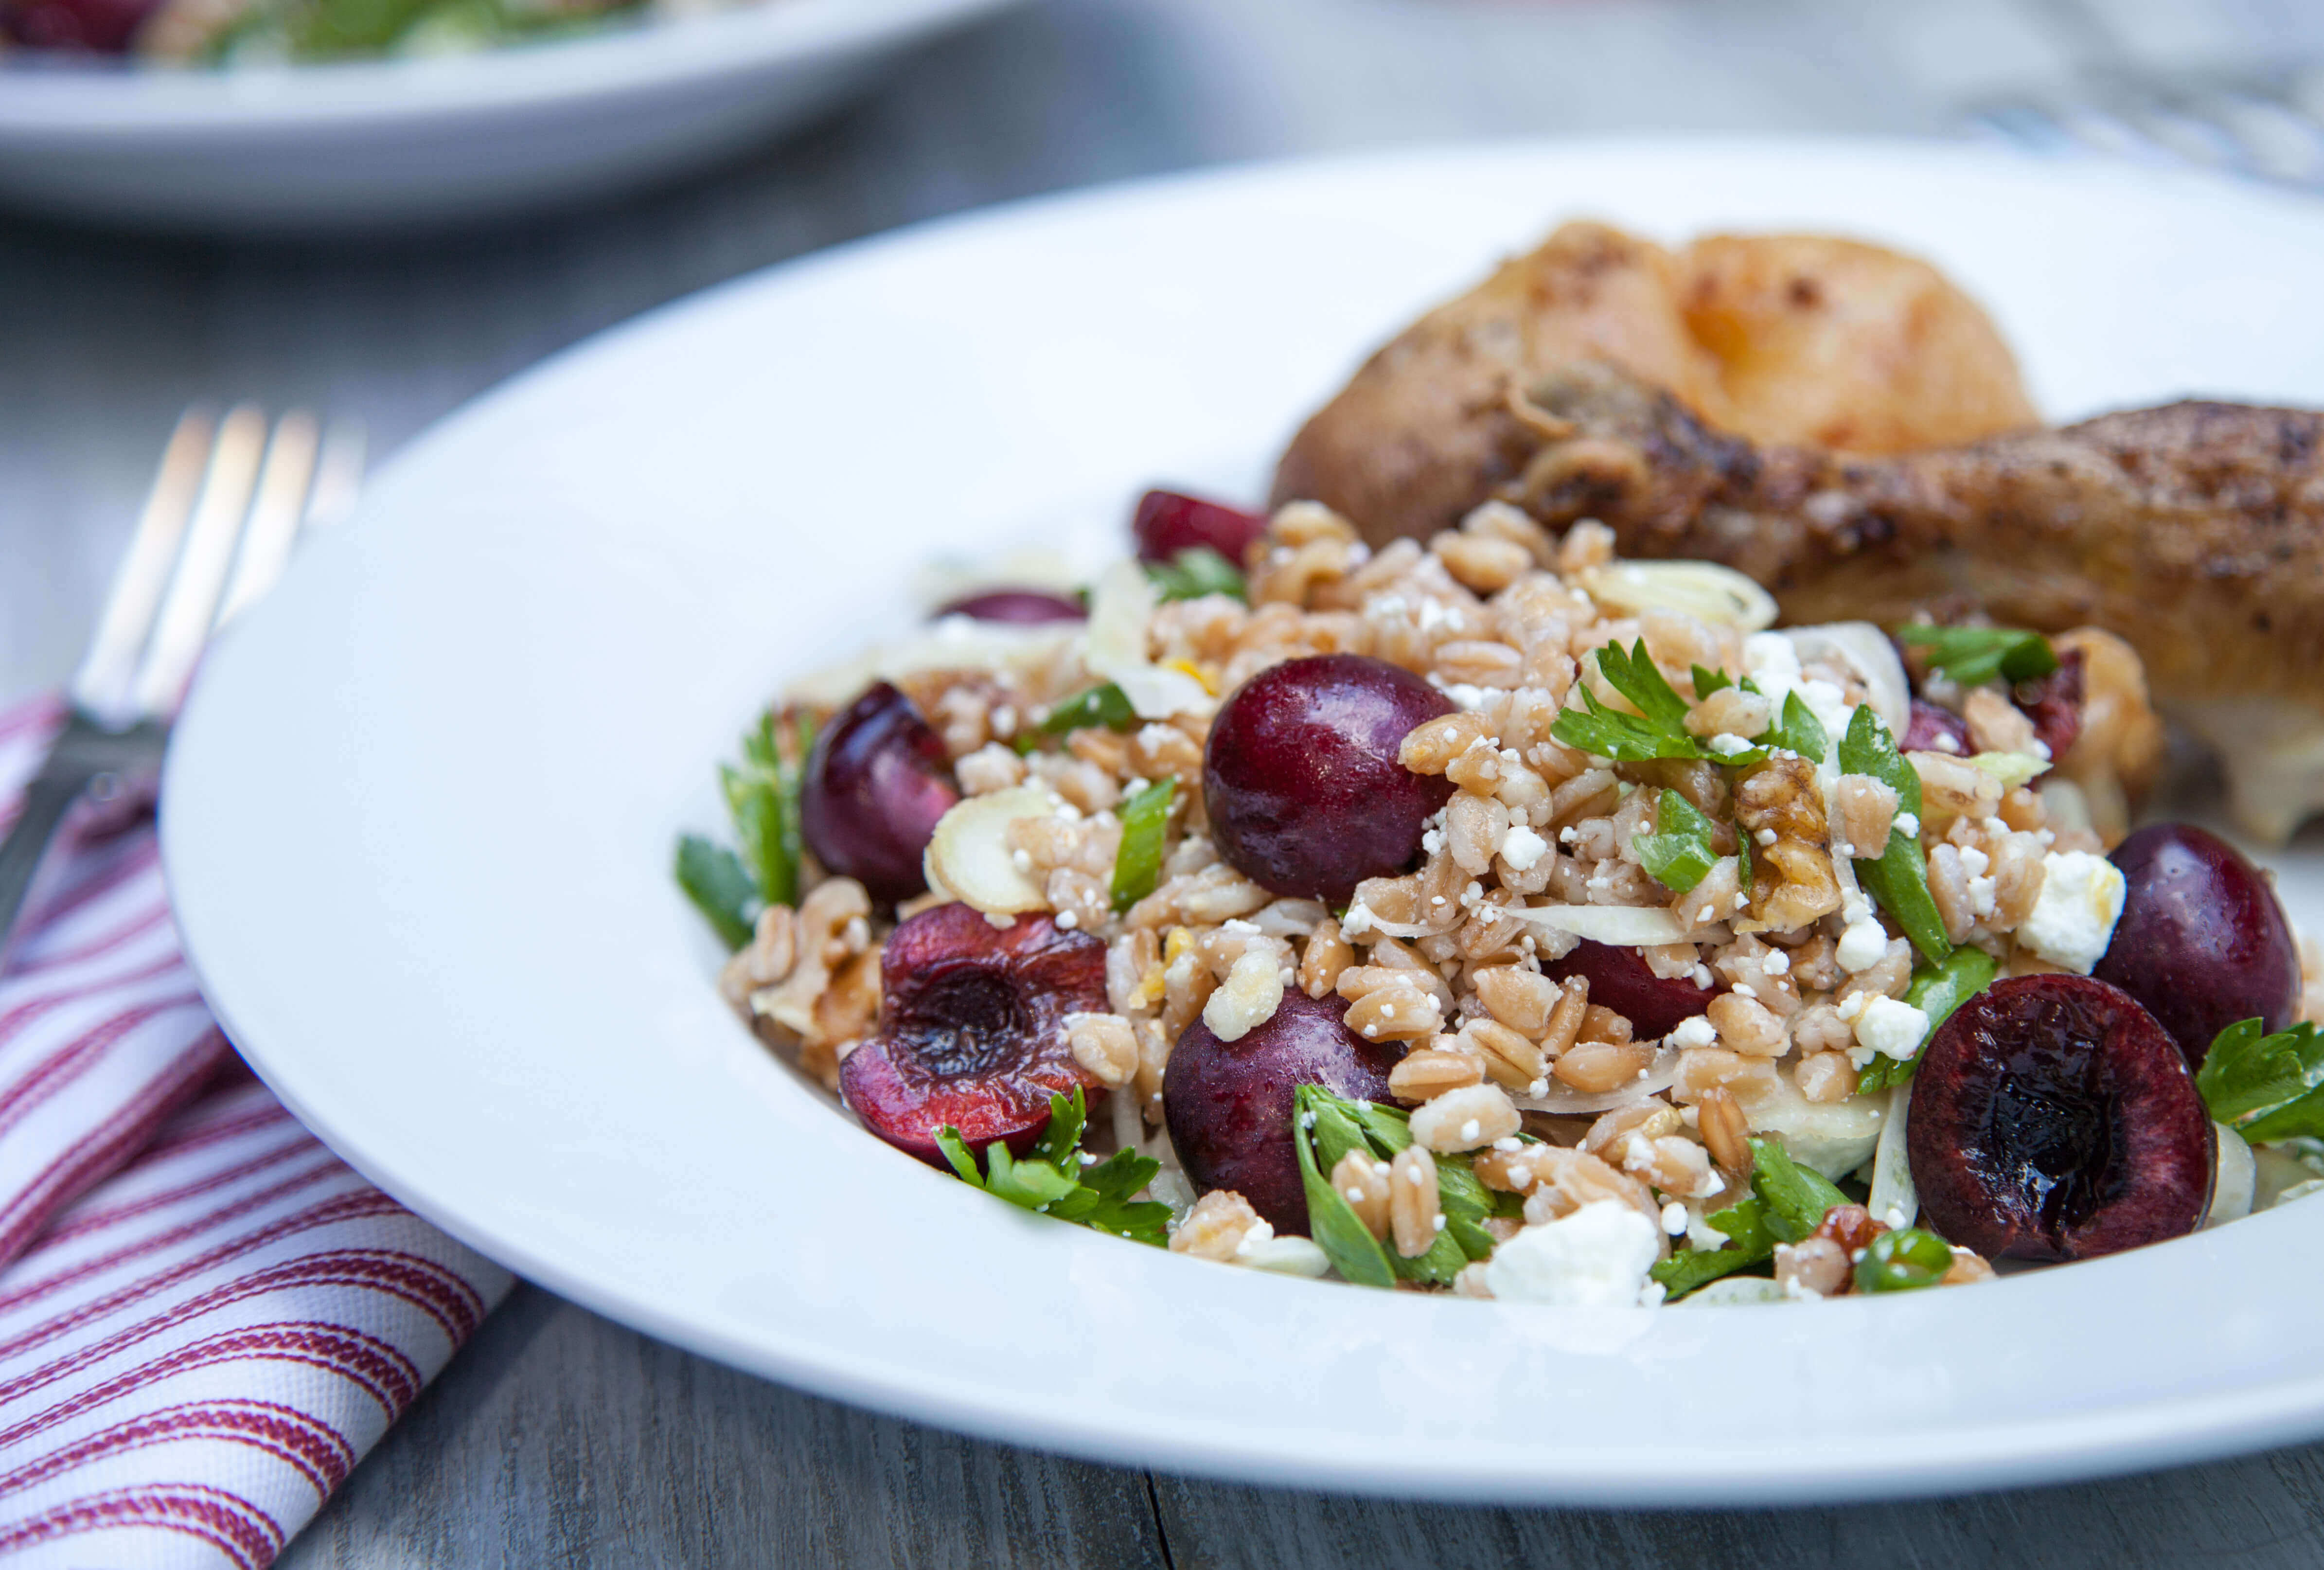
(1696, 1032)
(1523, 849)
(1471, 699)
(1674, 1219)
(1776, 962)
(1596, 1258)
(2073, 919)
(1862, 946)
(1727, 743)
(1891, 1027)
(1907, 824)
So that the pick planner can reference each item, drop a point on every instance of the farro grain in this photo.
(1519, 999)
(1597, 1066)
(1513, 1062)
(1104, 1044)
(1324, 960)
(1465, 1119)
(1747, 1026)
(1865, 807)
(1426, 1074)
(1724, 1130)
(1825, 1077)
(1363, 1182)
(1395, 1013)
(1434, 744)
(1413, 1210)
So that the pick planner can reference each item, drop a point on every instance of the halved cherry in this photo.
(971, 1031)
(1619, 980)
(2054, 1119)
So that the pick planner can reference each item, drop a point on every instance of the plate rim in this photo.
(2172, 1430)
(67, 106)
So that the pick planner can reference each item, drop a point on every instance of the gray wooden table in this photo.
(559, 1438)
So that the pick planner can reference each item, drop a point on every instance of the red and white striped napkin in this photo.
(206, 1319)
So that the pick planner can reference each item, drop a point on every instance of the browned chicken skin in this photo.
(1805, 339)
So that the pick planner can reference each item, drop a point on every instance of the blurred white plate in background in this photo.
(420, 815)
(372, 145)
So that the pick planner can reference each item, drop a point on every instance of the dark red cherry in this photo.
(971, 1031)
(1168, 523)
(2202, 941)
(1024, 607)
(876, 783)
(1301, 779)
(2054, 703)
(1620, 980)
(2054, 1119)
(1935, 730)
(1229, 1103)
(93, 26)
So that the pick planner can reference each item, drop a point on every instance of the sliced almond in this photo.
(1703, 589)
(969, 856)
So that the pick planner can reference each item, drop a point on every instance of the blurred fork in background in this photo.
(2263, 125)
(227, 504)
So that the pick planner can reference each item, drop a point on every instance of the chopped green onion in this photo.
(1973, 656)
(1107, 706)
(721, 887)
(1678, 853)
(1197, 571)
(1898, 878)
(1904, 1262)
(1145, 824)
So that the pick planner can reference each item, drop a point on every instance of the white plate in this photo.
(376, 145)
(420, 814)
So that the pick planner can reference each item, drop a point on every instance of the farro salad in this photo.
(1494, 916)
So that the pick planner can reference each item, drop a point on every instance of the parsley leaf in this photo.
(1798, 730)
(1678, 853)
(1898, 878)
(714, 879)
(1796, 1197)
(1936, 990)
(1145, 824)
(1193, 572)
(2266, 1087)
(1658, 730)
(1975, 655)
(1748, 1242)
(1107, 706)
(1051, 1180)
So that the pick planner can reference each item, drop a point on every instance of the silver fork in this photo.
(2265, 126)
(227, 506)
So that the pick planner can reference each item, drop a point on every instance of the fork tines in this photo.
(227, 506)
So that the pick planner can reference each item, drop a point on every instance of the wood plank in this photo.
(2262, 1512)
(559, 1438)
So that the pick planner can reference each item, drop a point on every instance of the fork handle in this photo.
(25, 854)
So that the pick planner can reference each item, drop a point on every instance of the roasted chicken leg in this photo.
(2195, 531)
